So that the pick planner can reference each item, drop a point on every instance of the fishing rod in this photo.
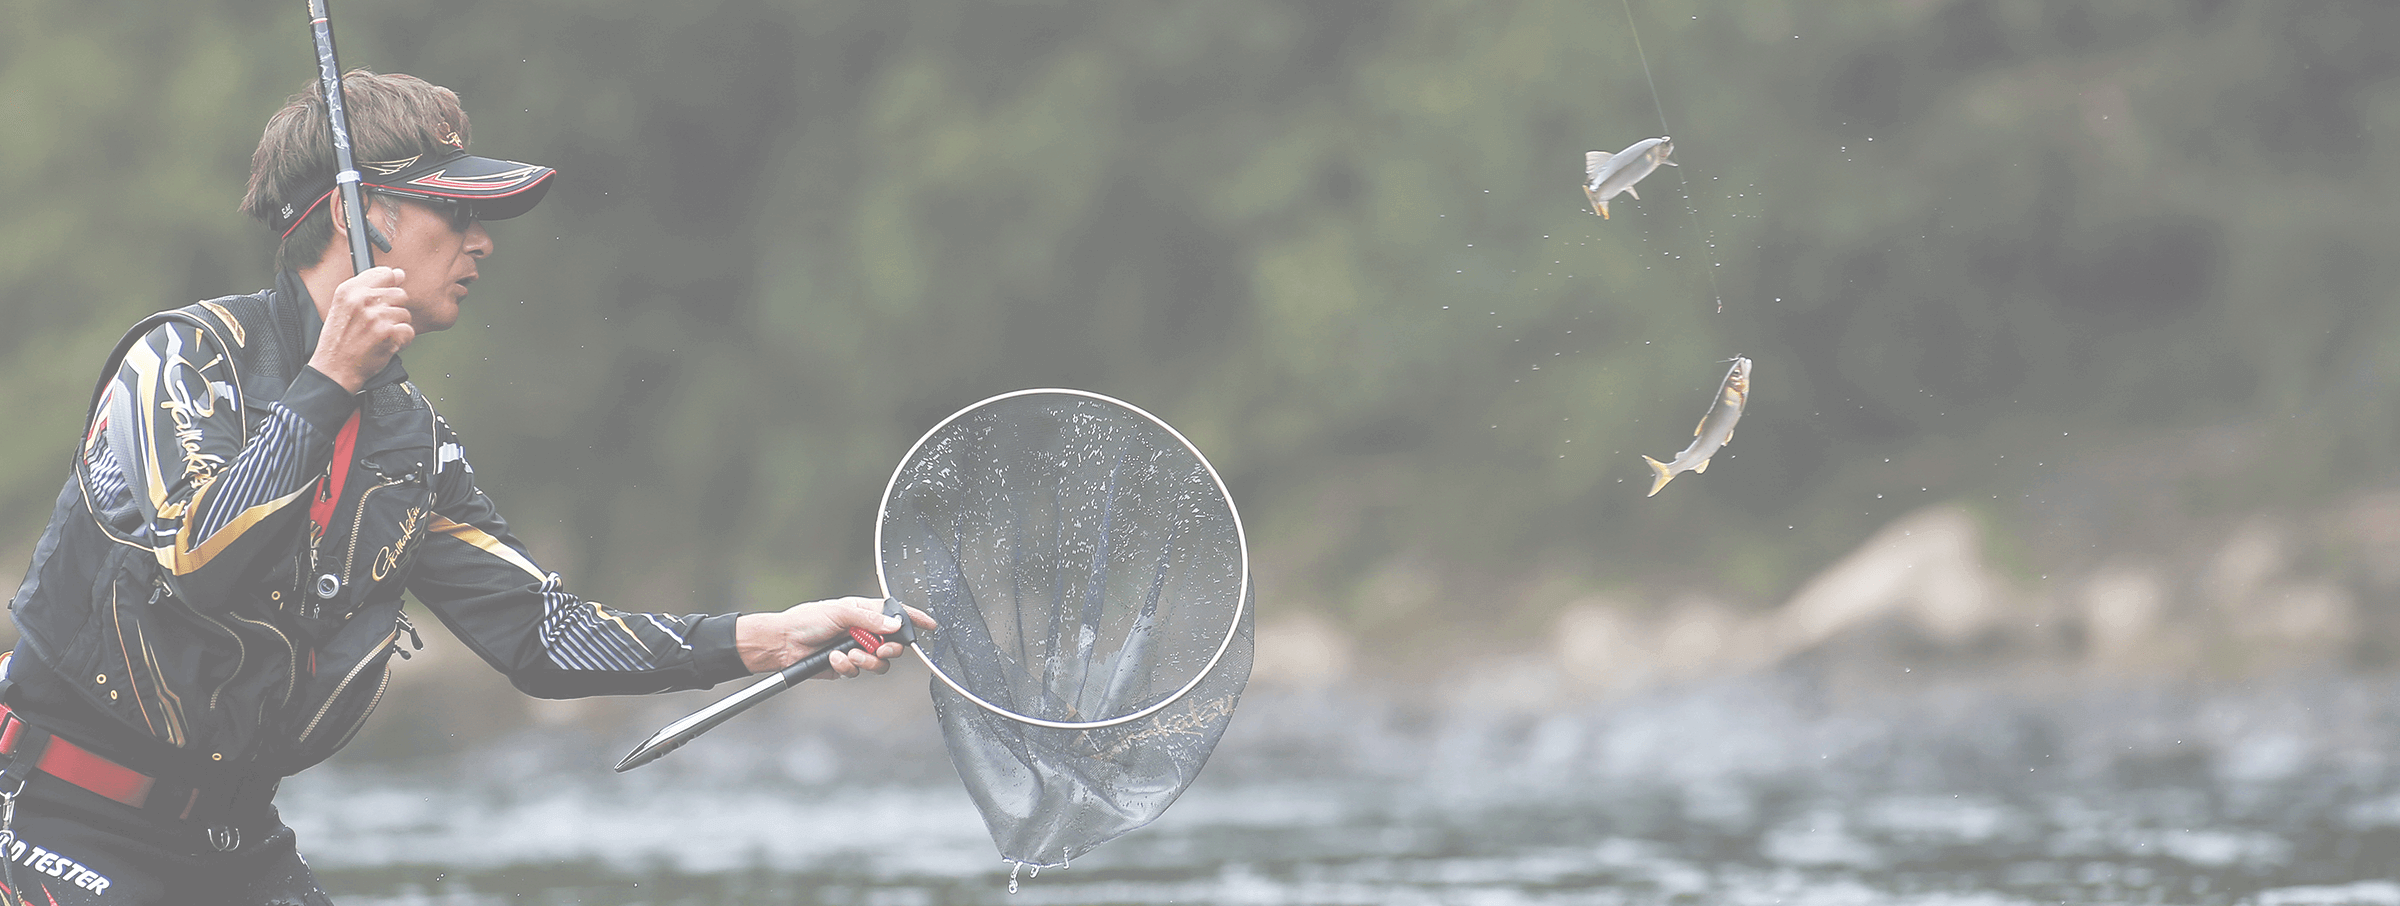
(345, 177)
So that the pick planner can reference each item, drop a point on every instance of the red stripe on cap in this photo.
(312, 208)
(471, 183)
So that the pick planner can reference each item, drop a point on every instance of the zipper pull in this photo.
(414, 640)
(157, 590)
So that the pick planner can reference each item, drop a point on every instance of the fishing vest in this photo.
(275, 676)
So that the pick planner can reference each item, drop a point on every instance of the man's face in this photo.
(439, 257)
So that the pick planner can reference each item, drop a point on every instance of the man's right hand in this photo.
(366, 324)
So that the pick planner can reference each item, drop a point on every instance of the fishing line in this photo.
(1707, 240)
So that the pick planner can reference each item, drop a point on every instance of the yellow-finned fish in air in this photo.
(1715, 428)
(1605, 174)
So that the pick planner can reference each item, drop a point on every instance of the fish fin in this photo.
(1703, 466)
(1597, 207)
(1592, 160)
(1659, 476)
(1669, 162)
(1602, 207)
(1702, 426)
(1728, 438)
(1637, 196)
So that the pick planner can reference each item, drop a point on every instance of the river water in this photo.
(1765, 790)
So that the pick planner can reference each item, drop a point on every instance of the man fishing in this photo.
(217, 598)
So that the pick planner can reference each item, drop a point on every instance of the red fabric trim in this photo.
(442, 180)
(312, 208)
(79, 766)
(329, 488)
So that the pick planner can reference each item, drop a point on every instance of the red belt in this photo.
(78, 765)
(63, 759)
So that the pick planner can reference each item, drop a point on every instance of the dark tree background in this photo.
(1981, 253)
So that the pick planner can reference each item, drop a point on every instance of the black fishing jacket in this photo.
(184, 610)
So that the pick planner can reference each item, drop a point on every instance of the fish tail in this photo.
(1659, 476)
(1603, 206)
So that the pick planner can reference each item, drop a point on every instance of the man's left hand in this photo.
(773, 641)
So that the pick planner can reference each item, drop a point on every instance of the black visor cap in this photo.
(493, 189)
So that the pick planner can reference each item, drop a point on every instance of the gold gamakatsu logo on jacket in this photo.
(388, 559)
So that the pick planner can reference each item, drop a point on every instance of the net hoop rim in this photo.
(1233, 627)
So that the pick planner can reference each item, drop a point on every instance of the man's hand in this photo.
(365, 325)
(773, 641)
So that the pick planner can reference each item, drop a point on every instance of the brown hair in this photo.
(392, 118)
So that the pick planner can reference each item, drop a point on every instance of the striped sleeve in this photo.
(252, 482)
(481, 582)
(172, 464)
(108, 480)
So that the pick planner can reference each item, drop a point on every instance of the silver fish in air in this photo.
(1605, 174)
(1715, 428)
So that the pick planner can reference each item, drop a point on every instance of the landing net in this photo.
(1093, 588)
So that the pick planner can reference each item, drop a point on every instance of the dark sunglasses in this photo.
(460, 212)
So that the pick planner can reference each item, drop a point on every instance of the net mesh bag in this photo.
(1089, 574)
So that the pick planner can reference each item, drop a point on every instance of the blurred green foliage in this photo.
(1339, 244)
